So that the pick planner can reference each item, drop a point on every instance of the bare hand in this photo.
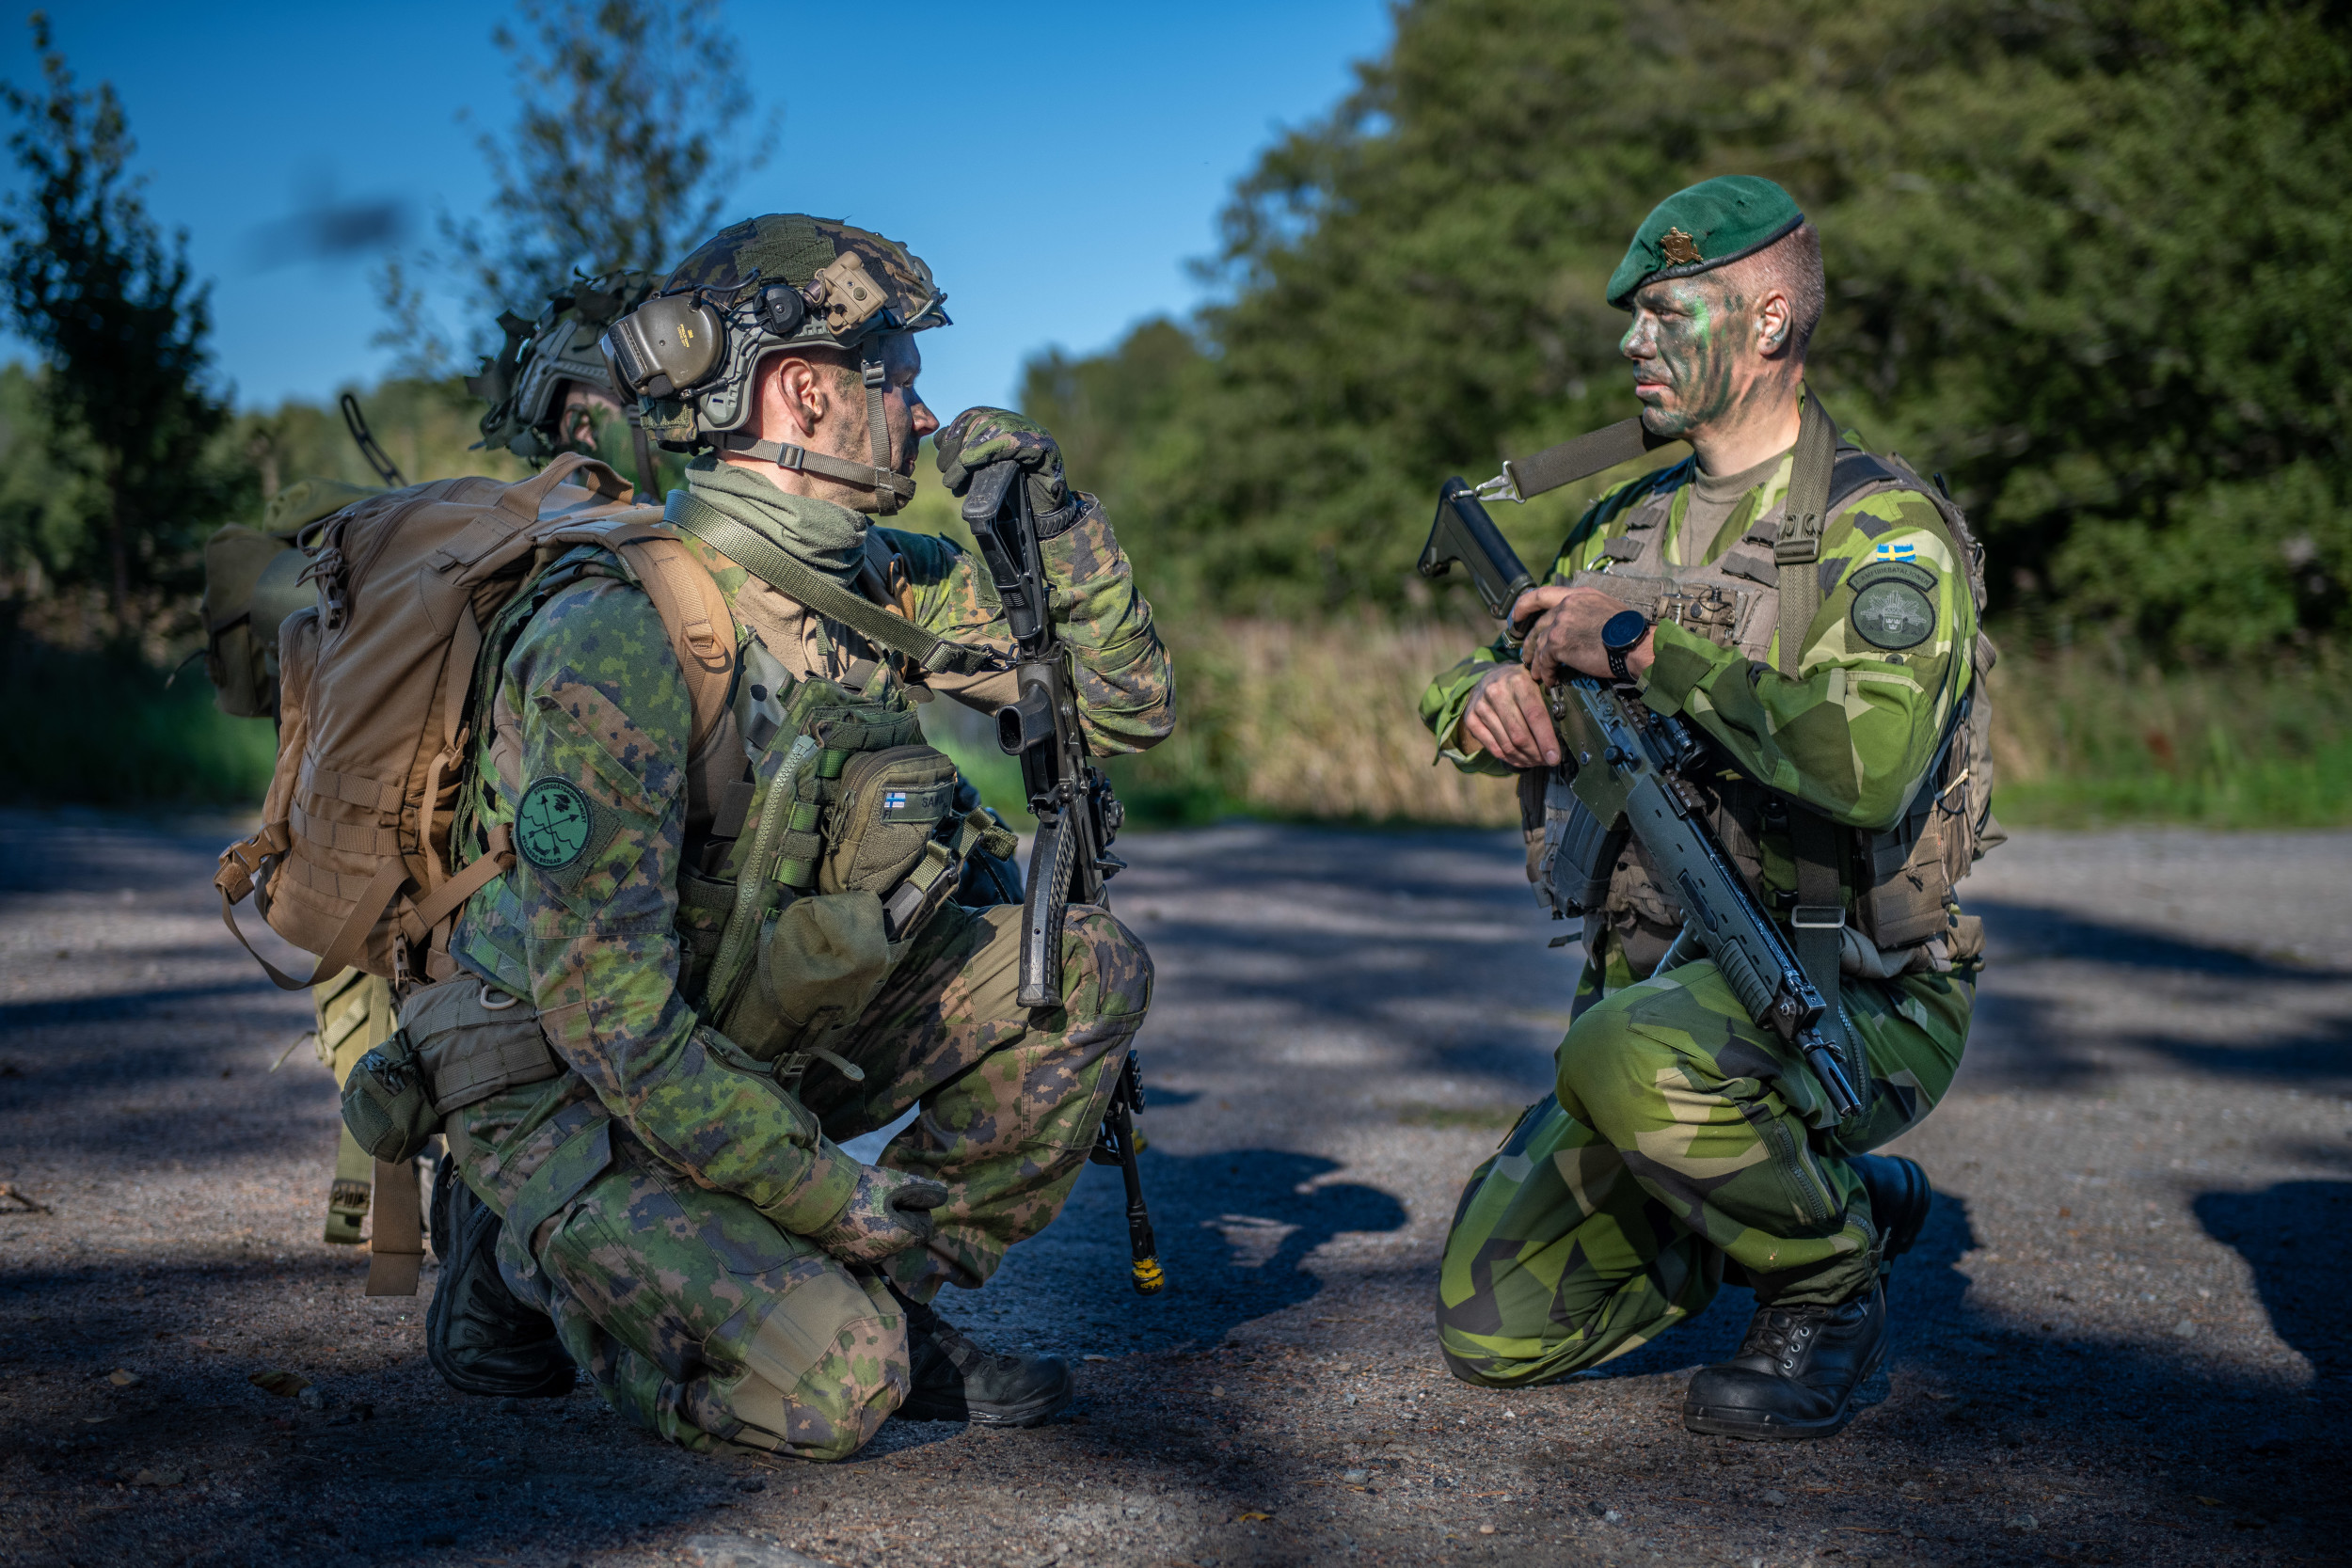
(1507, 720)
(1567, 638)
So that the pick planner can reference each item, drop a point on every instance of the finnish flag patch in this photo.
(893, 799)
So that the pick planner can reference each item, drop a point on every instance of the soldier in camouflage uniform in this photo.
(676, 1205)
(1684, 1144)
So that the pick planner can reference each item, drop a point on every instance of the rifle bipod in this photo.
(1115, 1144)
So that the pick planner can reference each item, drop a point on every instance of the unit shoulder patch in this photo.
(1891, 613)
(552, 823)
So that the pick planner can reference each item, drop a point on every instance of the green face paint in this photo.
(1683, 342)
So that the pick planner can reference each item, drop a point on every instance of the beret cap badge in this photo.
(1678, 248)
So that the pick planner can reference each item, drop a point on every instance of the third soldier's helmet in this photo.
(768, 285)
(528, 385)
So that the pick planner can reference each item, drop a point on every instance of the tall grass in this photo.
(104, 728)
(1315, 721)
(2091, 736)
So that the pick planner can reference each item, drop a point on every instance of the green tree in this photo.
(2084, 258)
(621, 154)
(120, 324)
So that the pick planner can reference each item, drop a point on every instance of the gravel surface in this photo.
(2121, 1340)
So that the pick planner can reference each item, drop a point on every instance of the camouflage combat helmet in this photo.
(523, 383)
(773, 283)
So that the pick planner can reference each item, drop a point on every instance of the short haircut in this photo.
(1791, 264)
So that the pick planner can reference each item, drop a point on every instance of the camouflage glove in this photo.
(978, 437)
(889, 1212)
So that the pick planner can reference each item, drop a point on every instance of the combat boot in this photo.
(1900, 1201)
(1796, 1374)
(954, 1380)
(481, 1338)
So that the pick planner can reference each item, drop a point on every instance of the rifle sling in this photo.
(1803, 520)
(828, 598)
(1582, 456)
(1817, 932)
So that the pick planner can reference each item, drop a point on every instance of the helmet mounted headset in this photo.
(691, 353)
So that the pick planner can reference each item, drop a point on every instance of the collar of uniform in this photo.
(1730, 487)
(820, 535)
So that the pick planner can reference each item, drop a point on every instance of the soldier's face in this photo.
(903, 405)
(585, 408)
(1688, 342)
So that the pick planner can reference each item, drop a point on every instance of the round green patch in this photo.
(1893, 616)
(552, 824)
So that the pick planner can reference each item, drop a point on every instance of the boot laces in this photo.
(1782, 1334)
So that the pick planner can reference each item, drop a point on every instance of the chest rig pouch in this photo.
(853, 844)
(1902, 880)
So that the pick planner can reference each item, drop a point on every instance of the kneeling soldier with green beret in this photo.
(1831, 662)
(675, 1199)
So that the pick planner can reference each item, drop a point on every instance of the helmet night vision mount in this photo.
(691, 354)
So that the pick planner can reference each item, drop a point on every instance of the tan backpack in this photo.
(353, 859)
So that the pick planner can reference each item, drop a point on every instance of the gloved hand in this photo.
(978, 437)
(889, 1212)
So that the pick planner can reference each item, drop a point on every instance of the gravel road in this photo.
(2121, 1340)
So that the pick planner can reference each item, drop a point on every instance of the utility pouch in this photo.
(820, 962)
(473, 1041)
(387, 1106)
(889, 806)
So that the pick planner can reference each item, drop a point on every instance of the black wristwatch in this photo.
(1619, 636)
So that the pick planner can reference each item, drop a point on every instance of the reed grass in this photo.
(1316, 723)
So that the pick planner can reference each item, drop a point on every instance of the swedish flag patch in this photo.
(1896, 552)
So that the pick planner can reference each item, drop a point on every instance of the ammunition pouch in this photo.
(886, 811)
(1579, 857)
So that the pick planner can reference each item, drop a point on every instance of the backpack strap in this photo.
(695, 614)
(1805, 517)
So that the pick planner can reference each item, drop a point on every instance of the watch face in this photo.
(1623, 630)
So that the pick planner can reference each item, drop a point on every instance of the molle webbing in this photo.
(842, 725)
(793, 579)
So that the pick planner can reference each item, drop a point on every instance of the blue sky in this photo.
(1056, 164)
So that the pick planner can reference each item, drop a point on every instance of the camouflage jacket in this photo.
(1854, 733)
(590, 694)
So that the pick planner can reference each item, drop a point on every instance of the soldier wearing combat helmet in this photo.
(551, 385)
(1831, 661)
(675, 1202)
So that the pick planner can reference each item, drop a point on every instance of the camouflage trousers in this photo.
(702, 1320)
(1678, 1138)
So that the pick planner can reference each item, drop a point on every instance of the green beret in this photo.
(1714, 222)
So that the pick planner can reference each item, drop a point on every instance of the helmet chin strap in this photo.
(886, 500)
(892, 489)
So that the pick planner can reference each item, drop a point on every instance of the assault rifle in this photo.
(1629, 769)
(1077, 816)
